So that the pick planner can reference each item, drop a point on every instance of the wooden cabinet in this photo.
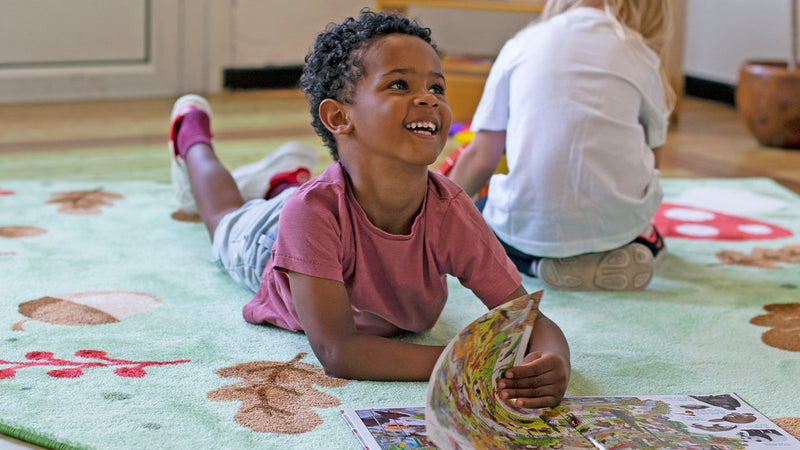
(465, 76)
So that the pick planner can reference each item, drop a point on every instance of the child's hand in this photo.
(540, 381)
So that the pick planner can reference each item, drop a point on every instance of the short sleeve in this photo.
(310, 237)
(652, 114)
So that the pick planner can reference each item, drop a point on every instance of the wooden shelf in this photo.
(467, 66)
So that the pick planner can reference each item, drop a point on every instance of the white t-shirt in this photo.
(582, 107)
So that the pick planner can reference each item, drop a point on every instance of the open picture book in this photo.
(463, 410)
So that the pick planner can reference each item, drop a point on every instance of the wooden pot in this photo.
(768, 98)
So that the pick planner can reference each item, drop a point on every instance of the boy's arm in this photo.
(327, 318)
(479, 161)
(541, 380)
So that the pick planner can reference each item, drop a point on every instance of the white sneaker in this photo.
(180, 177)
(628, 268)
(256, 179)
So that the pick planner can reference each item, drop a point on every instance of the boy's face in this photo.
(398, 110)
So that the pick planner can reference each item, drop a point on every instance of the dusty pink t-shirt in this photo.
(395, 282)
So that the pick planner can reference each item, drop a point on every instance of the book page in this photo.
(389, 428)
(463, 410)
(717, 421)
(691, 422)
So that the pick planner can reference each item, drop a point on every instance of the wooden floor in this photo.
(709, 139)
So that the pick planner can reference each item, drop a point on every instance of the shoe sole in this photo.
(629, 268)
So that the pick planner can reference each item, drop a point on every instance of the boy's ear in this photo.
(334, 116)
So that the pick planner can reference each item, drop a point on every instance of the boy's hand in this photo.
(540, 381)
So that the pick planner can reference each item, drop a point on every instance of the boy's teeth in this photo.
(422, 127)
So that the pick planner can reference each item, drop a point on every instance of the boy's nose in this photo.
(427, 99)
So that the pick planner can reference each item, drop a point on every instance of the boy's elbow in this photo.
(336, 370)
(335, 361)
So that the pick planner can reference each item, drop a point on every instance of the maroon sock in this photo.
(195, 128)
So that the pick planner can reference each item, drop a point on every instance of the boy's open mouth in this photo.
(423, 127)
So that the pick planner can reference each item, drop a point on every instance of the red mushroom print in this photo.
(690, 222)
(720, 214)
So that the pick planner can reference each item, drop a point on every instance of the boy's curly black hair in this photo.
(334, 65)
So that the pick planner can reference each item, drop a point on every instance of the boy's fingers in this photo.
(547, 378)
(526, 392)
(530, 370)
(539, 402)
(532, 398)
(535, 364)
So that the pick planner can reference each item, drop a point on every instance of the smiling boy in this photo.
(362, 252)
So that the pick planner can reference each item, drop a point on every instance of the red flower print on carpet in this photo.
(73, 369)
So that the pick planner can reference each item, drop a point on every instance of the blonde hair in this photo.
(643, 22)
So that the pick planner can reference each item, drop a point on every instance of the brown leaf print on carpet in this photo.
(784, 322)
(762, 257)
(277, 396)
(86, 308)
(181, 216)
(83, 202)
(17, 231)
(790, 424)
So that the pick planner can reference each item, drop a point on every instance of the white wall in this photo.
(267, 33)
(722, 34)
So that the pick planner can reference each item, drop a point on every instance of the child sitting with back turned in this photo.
(578, 104)
(363, 250)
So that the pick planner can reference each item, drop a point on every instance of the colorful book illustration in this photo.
(462, 391)
(463, 410)
(392, 428)
(691, 422)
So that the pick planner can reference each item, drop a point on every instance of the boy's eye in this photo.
(398, 84)
(437, 89)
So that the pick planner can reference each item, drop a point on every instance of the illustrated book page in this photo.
(692, 422)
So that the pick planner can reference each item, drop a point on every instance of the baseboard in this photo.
(710, 90)
(269, 77)
(288, 77)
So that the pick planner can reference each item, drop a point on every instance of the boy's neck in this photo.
(391, 203)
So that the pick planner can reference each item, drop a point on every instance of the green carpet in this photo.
(117, 332)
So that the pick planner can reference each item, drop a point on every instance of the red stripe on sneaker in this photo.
(287, 179)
